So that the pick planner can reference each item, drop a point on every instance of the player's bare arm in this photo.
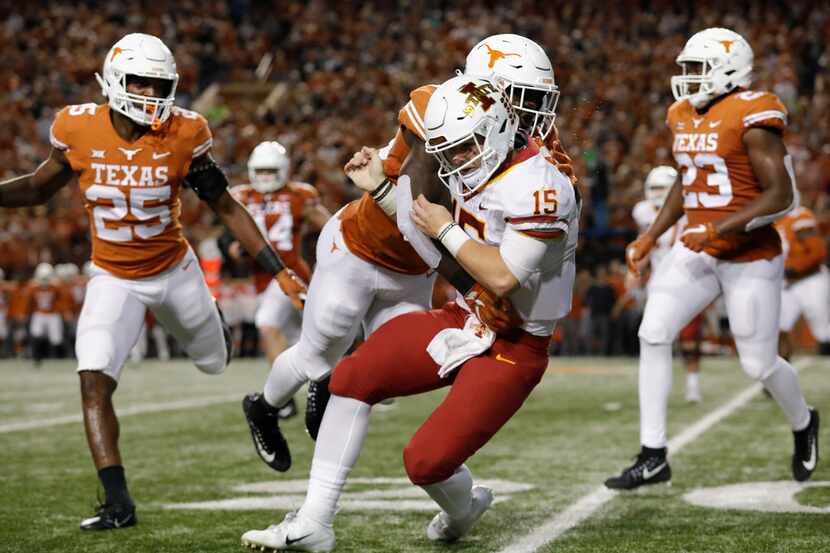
(766, 151)
(37, 187)
(483, 262)
(669, 214)
(211, 184)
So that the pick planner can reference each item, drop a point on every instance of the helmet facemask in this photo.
(535, 105)
(266, 179)
(472, 159)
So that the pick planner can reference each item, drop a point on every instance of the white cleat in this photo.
(292, 534)
(442, 528)
(693, 395)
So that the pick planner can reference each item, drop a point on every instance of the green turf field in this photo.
(198, 484)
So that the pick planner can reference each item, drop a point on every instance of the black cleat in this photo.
(111, 517)
(316, 401)
(270, 444)
(288, 410)
(651, 467)
(805, 452)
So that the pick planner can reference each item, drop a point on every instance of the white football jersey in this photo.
(531, 198)
(644, 213)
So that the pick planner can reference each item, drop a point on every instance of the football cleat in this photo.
(445, 529)
(294, 533)
(270, 444)
(651, 467)
(315, 407)
(805, 454)
(111, 517)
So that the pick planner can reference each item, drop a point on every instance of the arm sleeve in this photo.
(763, 109)
(59, 131)
(525, 256)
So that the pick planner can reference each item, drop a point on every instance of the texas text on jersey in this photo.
(131, 189)
(279, 214)
(717, 175)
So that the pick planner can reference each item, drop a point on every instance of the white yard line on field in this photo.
(139, 409)
(588, 504)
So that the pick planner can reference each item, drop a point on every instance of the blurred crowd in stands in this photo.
(345, 69)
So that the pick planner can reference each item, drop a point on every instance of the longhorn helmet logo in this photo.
(496, 55)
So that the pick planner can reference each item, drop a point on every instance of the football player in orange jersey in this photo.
(281, 208)
(47, 307)
(737, 179)
(807, 288)
(131, 157)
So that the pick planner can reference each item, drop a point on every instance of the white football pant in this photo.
(49, 325)
(685, 283)
(275, 310)
(810, 297)
(113, 315)
(345, 292)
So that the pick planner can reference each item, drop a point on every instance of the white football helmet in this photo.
(66, 271)
(524, 70)
(658, 183)
(142, 56)
(268, 167)
(717, 61)
(470, 129)
(44, 273)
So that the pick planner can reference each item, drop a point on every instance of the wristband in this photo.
(384, 196)
(269, 260)
(452, 237)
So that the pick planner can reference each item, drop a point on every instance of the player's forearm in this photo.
(239, 222)
(772, 200)
(20, 192)
(669, 214)
(486, 266)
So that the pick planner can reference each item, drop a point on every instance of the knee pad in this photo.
(655, 331)
(758, 365)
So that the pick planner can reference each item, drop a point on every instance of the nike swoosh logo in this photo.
(714, 124)
(811, 464)
(268, 457)
(161, 155)
(289, 541)
(186, 265)
(499, 357)
(118, 523)
(647, 474)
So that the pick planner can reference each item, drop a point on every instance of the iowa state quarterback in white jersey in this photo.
(514, 229)
(131, 157)
(737, 179)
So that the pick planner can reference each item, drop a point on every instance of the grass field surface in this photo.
(199, 485)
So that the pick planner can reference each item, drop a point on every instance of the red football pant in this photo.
(485, 392)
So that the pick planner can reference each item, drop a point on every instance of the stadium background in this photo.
(325, 78)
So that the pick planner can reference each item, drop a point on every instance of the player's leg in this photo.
(54, 333)
(107, 329)
(340, 292)
(183, 305)
(790, 312)
(378, 369)
(752, 292)
(690, 341)
(684, 284)
(814, 298)
(485, 394)
(37, 337)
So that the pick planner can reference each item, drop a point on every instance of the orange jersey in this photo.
(367, 230)
(803, 244)
(280, 216)
(717, 175)
(45, 298)
(131, 189)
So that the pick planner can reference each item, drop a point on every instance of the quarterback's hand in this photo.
(293, 287)
(637, 252)
(429, 217)
(365, 169)
(699, 236)
(498, 314)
